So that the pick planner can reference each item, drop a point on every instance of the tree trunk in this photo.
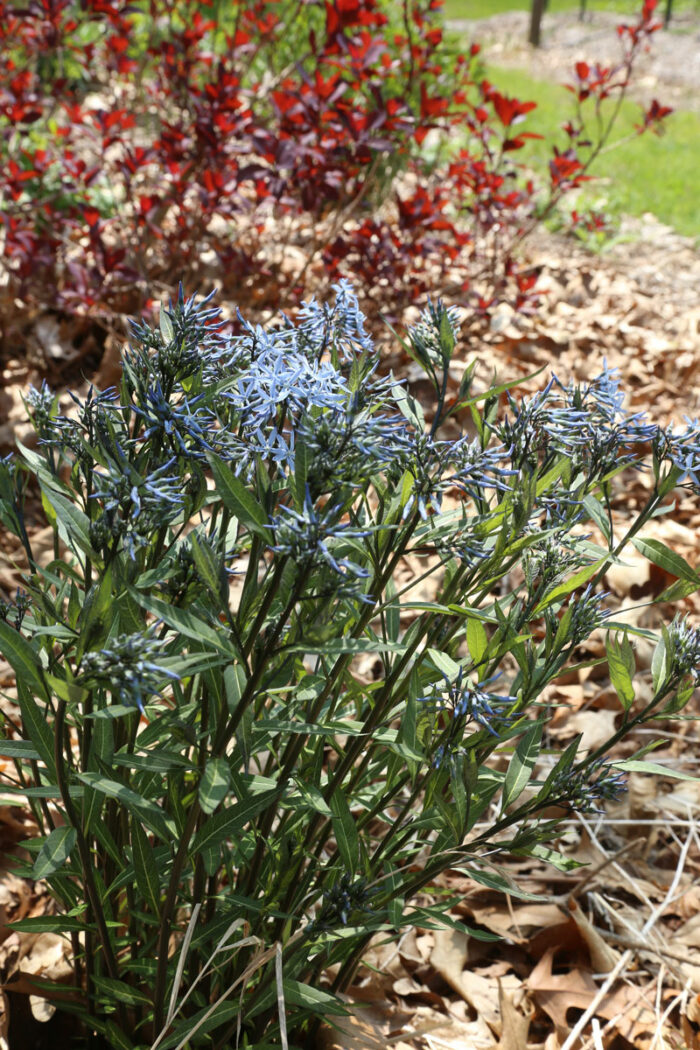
(536, 12)
(582, 10)
(667, 16)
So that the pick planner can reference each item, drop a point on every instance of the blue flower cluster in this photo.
(133, 507)
(434, 336)
(126, 669)
(681, 449)
(552, 558)
(347, 898)
(585, 789)
(18, 608)
(173, 353)
(42, 404)
(588, 614)
(587, 424)
(467, 703)
(338, 329)
(181, 427)
(437, 466)
(311, 538)
(685, 650)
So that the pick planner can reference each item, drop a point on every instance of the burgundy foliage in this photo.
(147, 142)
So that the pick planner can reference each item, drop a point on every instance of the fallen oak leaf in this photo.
(517, 924)
(556, 994)
(603, 957)
(449, 958)
(515, 1026)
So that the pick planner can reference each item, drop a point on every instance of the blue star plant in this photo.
(197, 733)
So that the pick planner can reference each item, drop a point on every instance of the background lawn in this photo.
(485, 8)
(649, 173)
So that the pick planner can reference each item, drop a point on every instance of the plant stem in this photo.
(88, 874)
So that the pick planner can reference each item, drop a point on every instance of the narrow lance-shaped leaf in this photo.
(37, 728)
(230, 821)
(237, 499)
(661, 660)
(522, 763)
(477, 640)
(215, 784)
(621, 669)
(55, 852)
(151, 814)
(345, 831)
(23, 660)
(661, 555)
(145, 867)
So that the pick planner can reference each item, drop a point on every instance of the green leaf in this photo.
(660, 662)
(209, 567)
(477, 640)
(231, 821)
(299, 994)
(215, 784)
(166, 326)
(73, 524)
(394, 910)
(185, 622)
(345, 831)
(312, 796)
(447, 338)
(145, 867)
(22, 749)
(496, 391)
(347, 645)
(237, 499)
(119, 991)
(409, 408)
(23, 660)
(392, 612)
(37, 729)
(563, 763)
(495, 881)
(115, 1036)
(67, 691)
(598, 515)
(444, 663)
(551, 856)
(302, 459)
(49, 924)
(435, 918)
(661, 555)
(633, 765)
(151, 814)
(55, 852)
(96, 616)
(621, 668)
(522, 763)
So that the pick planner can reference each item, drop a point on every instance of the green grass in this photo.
(485, 8)
(647, 174)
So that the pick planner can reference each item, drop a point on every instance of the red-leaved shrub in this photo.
(266, 145)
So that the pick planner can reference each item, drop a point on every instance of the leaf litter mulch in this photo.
(606, 955)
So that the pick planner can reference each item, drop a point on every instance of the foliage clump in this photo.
(230, 806)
